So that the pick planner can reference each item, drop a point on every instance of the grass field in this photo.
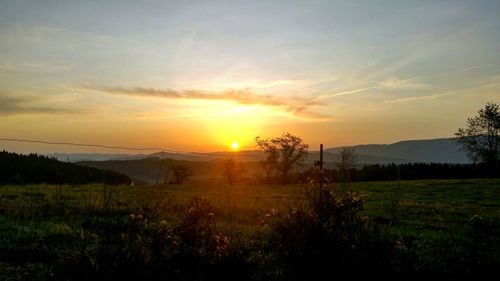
(39, 223)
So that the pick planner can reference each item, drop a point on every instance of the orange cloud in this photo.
(299, 107)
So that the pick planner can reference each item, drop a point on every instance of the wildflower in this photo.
(225, 239)
(476, 218)
(222, 243)
(400, 245)
(123, 236)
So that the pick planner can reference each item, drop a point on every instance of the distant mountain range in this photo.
(424, 151)
(148, 169)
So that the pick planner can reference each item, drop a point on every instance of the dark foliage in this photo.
(412, 171)
(181, 173)
(481, 136)
(33, 168)
(329, 235)
(283, 154)
(137, 247)
(232, 171)
(326, 236)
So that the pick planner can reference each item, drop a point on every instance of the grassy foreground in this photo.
(437, 227)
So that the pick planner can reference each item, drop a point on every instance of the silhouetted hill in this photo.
(208, 165)
(76, 157)
(155, 170)
(141, 171)
(411, 151)
(422, 151)
(24, 169)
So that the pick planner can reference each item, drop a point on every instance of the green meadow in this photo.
(44, 226)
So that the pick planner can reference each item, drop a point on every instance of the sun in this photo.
(234, 145)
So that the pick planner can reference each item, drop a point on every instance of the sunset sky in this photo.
(201, 75)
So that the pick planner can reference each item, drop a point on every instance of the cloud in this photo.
(473, 68)
(410, 99)
(15, 105)
(384, 67)
(343, 93)
(378, 75)
(35, 67)
(387, 84)
(395, 83)
(299, 107)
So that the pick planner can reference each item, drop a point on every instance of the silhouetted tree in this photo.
(181, 173)
(232, 170)
(283, 153)
(480, 138)
(268, 168)
(347, 157)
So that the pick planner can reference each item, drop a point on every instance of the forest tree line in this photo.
(409, 171)
(33, 168)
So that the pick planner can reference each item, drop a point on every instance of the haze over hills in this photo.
(77, 157)
(443, 150)
(147, 169)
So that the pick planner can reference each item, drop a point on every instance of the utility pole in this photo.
(321, 165)
(321, 157)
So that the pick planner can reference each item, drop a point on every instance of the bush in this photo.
(329, 236)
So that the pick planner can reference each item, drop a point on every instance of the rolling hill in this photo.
(33, 168)
(412, 151)
(147, 169)
(423, 151)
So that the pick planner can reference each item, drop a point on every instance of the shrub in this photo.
(329, 235)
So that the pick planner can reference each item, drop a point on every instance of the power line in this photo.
(159, 149)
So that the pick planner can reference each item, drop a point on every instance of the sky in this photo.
(200, 75)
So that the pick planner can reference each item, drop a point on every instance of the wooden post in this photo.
(321, 166)
(321, 157)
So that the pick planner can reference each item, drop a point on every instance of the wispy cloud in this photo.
(391, 83)
(35, 67)
(473, 68)
(395, 83)
(384, 67)
(24, 105)
(343, 93)
(296, 106)
(415, 98)
(257, 84)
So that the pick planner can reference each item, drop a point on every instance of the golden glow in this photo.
(234, 145)
(228, 122)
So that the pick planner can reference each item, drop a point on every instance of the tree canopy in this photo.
(33, 168)
(480, 138)
(283, 153)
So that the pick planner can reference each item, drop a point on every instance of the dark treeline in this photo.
(411, 171)
(33, 168)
